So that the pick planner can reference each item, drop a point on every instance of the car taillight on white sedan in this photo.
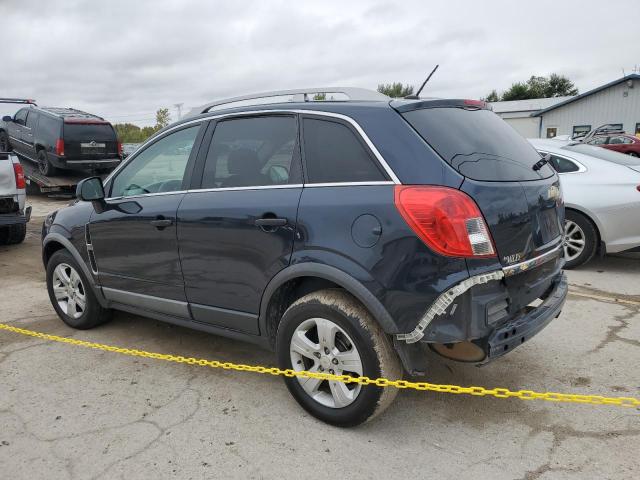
(447, 220)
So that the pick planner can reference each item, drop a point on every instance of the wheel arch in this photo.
(303, 278)
(54, 242)
(592, 218)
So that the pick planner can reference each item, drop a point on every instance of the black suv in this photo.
(61, 138)
(348, 235)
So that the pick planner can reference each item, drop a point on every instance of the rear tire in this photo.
(352, 341)
(5, 146)
(71, 294)
(13, 234)
(581, 239)
(44, 165)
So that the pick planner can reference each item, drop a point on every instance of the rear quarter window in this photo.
(334, 154)
(49, 128)
(478, 144)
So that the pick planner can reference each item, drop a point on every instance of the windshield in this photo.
(478, 143)
(603, 154)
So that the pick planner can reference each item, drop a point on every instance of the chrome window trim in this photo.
(351, 121)
(257, 187)
(348, 184)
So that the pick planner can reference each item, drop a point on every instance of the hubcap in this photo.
(319, 345)
(69, 290)
(574, 240)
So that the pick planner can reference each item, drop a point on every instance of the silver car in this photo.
(601, 191)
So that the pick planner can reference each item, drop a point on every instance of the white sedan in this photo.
(601, 190)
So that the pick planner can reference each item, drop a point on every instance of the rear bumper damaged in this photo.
(488, 315)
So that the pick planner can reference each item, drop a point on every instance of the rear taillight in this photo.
(60, 147)
(120, 149)
(18, 171)
(447, 220)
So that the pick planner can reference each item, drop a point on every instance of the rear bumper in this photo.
(15, 218)
(519, 330)
(490, 314)
(83, 164)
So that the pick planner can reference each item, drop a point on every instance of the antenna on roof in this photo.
(417, 95)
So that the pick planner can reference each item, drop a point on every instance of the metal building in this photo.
(518, 113)
(616, 103)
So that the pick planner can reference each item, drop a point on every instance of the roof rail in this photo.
(18, 100)
(296, 95)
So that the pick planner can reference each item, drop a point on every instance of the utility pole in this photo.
(179, 108)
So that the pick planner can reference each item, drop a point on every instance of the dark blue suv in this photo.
(348, 234)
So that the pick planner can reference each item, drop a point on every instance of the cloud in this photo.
(124, 59)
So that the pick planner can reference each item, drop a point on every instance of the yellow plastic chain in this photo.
(380, 382)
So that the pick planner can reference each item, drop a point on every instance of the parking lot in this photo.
(69, 412)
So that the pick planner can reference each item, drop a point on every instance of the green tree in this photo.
(395, 90)
(492, 97)
(517, 91)
(162, 118)
(560, 86)
(536, 87)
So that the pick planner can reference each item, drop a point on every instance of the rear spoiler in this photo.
(409, 105)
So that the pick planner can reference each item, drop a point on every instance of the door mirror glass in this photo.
(90, 189)
(7, 118)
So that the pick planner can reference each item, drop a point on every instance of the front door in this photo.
(236, 228)
(16, 131)
(134, 238)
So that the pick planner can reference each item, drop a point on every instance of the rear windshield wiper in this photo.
(542, 162)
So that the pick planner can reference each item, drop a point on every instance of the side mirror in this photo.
(7, 118)
(90, 189)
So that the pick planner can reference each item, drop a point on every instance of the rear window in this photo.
(478, 144)
(603, 154)
(77, 132)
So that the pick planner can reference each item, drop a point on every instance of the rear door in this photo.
(236, 226)
(134, 239)
(518, 196)
(29, 132)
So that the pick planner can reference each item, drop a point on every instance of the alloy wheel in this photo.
(320, 345)
(574, 240)
(69, 290)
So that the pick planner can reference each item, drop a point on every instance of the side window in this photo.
(32, 119)
(620, 140)
(253, 152)
(159, 168)
(598, 141)
(333, 153)
(21, 117)
(563, 165)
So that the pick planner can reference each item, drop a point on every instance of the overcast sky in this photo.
(124, 59)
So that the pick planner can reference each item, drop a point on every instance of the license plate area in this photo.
(93, 148)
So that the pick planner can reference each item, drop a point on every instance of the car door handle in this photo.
(271, 222)
(161, 223)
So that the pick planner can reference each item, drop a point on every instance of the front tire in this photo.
(71, 294)
(330, 331)
(580, 239)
